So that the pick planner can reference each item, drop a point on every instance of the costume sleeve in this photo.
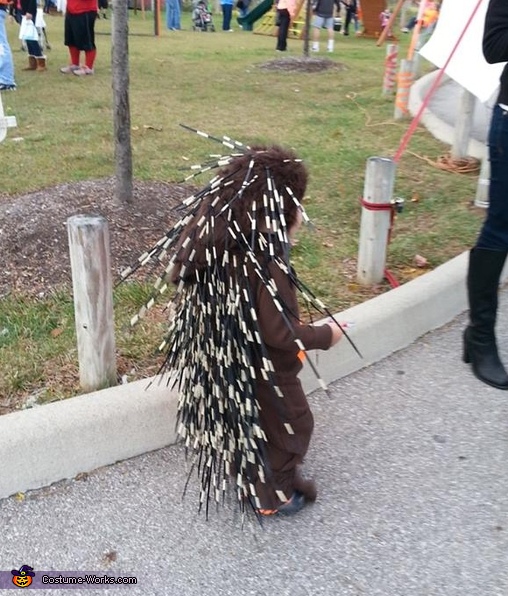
(495, 35)
(275, 331)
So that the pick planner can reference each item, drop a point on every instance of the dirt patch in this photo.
(33, 232)
(302, 64)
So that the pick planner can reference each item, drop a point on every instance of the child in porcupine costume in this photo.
(236, 337)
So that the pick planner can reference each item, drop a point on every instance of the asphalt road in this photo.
(411, 457)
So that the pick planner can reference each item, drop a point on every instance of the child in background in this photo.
(384, 18)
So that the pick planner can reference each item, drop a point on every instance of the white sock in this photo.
(330, 45)
(315, 46)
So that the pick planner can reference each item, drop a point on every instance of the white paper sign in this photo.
(467, 67)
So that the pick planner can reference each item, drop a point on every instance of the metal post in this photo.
(93, 300)
(375, 222)
(482, 188)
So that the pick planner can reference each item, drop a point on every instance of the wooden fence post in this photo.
(463, 125)
(376, 219)
(93, 300)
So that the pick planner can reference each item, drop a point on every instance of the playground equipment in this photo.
(264, 12)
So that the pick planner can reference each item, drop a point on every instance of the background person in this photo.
(36, 59)
(6, 63)
(286, 12)
(323, 18)
(227, 13)
(173, 15)
(79, 36)
(351, 7)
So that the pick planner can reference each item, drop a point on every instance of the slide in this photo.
(256, 13)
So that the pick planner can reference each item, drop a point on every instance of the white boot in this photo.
(315, 46)
(330, 45)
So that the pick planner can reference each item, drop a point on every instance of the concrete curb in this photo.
(440, 130)
(48, 443)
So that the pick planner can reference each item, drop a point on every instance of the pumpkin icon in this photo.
(22, 577)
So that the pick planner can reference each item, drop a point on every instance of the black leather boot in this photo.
(480, 348)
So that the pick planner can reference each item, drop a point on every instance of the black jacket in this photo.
(495, 41)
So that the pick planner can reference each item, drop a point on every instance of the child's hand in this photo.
(336, 333)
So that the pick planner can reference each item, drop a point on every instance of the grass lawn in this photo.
(334, 119)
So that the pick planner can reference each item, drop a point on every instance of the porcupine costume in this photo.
(236, 341)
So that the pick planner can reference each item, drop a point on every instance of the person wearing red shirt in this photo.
(79, 36)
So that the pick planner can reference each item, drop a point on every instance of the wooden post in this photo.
(375, 222)
(157, 18)
(93, 300)
(404, 80)
(463, 125)
(482, 188)
(391, 20)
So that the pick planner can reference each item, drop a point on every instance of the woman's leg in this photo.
(227, 11)
(6, 62)
(282, 36)
(486, 263)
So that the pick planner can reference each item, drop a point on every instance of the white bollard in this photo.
(463, 125)
(93, 300)
(376, 219)
(5, 121)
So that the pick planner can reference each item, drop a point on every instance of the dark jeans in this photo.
(284, 20)
(350, 15)
(33, 48)
(227, 11)
(494, 233)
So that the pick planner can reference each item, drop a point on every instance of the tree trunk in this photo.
(306, 38)
(121, 109)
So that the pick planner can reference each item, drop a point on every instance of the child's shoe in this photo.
(83, 71)
(294, 505)
(69, 69)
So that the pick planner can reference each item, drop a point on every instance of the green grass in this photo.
(335, 120)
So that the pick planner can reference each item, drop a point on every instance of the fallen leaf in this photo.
(56, 332)
(420, 261)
